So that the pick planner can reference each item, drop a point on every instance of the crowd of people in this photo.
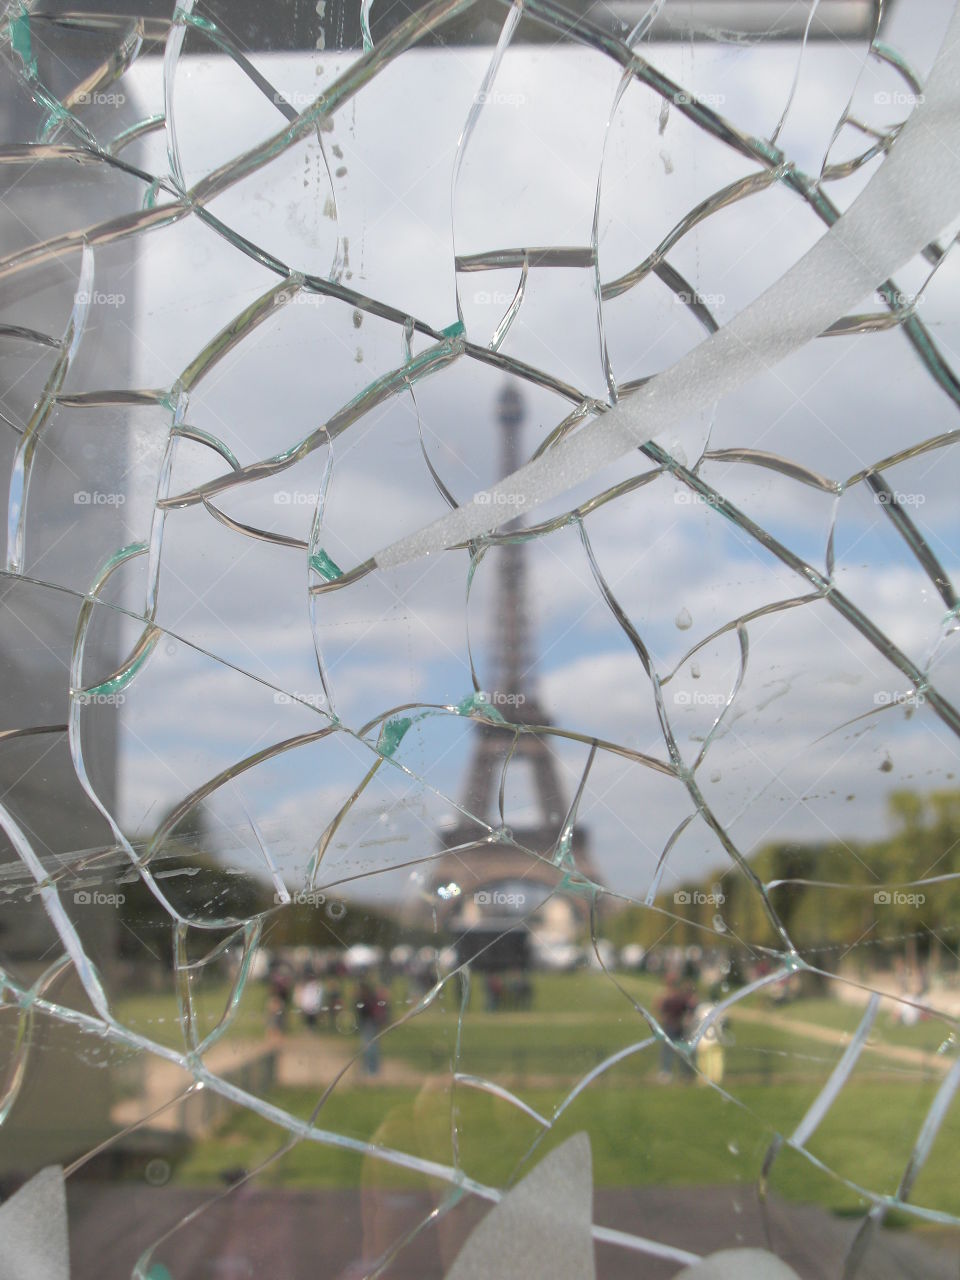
(513, 991)
(332, 1002)
(692, 1044)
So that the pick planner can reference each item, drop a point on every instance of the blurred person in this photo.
(524, 991)
(309, 997)
(373, 1013)
(334, 1004)
(675, 1009)
(280, 985)
(494, 986)
(710, 1046)
(276, 1012)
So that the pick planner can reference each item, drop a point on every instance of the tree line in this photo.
(895, 896)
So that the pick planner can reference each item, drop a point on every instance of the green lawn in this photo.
(584, 992)
(516, 1046)
(928, 1034)
(575, 1022)
(663, 1136)
(643, 1133)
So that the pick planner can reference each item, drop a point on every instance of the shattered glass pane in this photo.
(478, 770)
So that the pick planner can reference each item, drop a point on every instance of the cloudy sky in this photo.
(817, 736)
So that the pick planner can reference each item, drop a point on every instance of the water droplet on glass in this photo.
(695, 670)
(157, 1172)
(733, 1148)
(683, 620)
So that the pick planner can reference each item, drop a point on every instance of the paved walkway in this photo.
(832, 1035)
(261, 1233)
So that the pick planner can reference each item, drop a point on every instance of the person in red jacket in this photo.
(675, 1009)
(373, 1014)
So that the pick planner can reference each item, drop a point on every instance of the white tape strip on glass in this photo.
(905, 205)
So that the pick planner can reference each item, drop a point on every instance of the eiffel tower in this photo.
(475, 888)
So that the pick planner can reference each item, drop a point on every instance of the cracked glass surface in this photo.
(339, 885)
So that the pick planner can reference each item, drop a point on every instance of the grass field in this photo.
(671, 1136)
(643, 1132)
(575, 1021)
(928, 1034)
